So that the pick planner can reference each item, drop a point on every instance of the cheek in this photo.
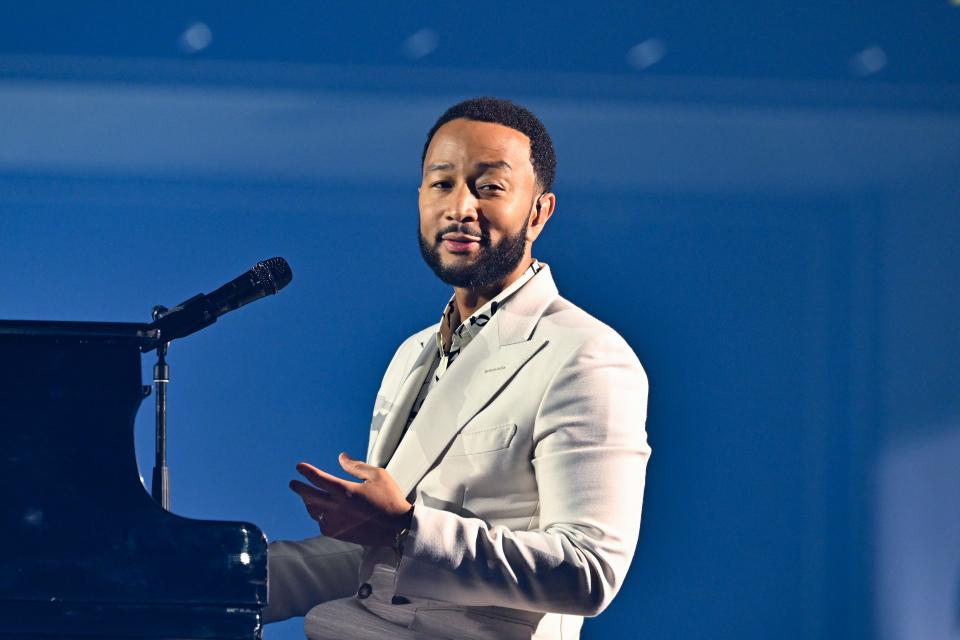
(504, 219)
(424, 210)
(425, 224)
(429, 208)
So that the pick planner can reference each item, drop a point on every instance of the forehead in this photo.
(463, 142)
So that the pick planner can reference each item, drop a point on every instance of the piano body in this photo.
(86, 552)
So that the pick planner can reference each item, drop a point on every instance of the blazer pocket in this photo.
(468, 443)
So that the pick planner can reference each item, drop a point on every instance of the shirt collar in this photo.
(465, 331)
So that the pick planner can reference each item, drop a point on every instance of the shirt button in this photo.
(399, 600)
(365, 590)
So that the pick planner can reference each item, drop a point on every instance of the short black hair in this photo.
(500, 111)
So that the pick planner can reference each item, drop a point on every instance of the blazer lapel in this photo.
(396, 419)
(489, 362)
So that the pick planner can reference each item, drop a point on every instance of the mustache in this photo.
(459, 227)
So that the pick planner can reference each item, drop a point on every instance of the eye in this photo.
(440, 184)
(490, 187)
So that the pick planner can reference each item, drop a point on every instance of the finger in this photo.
(316, 512)
(316, 502)
(313, 497)
(357, 468)
(322, 479)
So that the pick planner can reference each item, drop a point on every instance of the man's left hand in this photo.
(371, 512)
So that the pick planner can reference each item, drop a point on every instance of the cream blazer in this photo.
(526, 468)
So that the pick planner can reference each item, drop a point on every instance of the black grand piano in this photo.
(87, 553)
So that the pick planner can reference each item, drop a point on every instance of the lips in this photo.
(454, 246)
(460, 242)
(459, 237)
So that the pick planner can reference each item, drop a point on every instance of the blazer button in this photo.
(365, 590)
(399, 600)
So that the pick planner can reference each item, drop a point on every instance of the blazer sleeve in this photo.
(301, 574)
(590, 456)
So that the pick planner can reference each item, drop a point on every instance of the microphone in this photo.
(202, 310)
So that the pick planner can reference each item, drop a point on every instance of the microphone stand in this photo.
(202, 310)
(160, 486)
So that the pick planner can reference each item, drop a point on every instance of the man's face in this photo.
(476, 199)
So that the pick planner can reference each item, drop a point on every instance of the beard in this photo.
(492, 265)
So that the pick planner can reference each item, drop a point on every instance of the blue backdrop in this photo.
(760, 198)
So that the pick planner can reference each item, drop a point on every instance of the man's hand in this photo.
(371, 512)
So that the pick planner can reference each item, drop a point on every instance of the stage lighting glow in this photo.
(869, 61)
(646, 54)
(196, 38)
(421, 44)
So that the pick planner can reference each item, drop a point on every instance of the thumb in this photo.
(356, 467)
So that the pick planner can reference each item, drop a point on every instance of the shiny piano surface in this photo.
(86, 551)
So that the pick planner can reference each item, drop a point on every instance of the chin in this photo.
(459, 258)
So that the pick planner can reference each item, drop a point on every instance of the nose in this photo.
(462, 205)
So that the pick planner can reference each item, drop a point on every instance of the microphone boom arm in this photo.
(202, 310)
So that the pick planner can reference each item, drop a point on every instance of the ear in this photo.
(540, 215)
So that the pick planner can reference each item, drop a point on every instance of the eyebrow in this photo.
(499, 164)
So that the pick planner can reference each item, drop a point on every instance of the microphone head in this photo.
(272, 275)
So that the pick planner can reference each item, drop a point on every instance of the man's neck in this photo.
(469, 300)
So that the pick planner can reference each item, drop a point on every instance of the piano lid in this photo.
(90, 552)
(99, 332)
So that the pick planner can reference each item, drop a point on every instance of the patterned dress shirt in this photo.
(451, 342)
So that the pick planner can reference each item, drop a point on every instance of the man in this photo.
(502, 489)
